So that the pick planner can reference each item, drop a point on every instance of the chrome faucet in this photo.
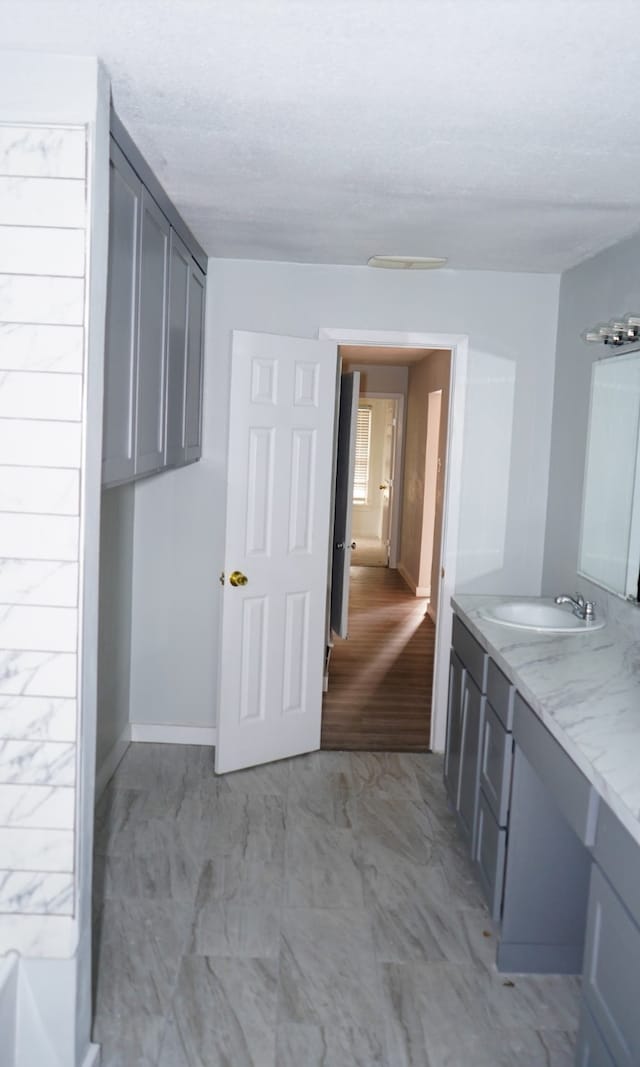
(583, 609)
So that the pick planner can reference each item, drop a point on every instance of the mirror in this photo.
(610, 540)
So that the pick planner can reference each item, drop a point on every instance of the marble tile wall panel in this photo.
(48, 202)
(38, 935)
(42, 312)
(37, 674)
(33, 581)
(30, 346)
(42, 250)
(36, 489)
(32, 395)
(26, 536)
(36, 850)
(36, 893)
(47, 807)
(42, 152)
(38, 718)
(35, 762)
(29, 298)
(38, 629)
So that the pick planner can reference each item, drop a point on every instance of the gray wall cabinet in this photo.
(195, 366)
(179, 280)
(121, 342)
(154, 326)
(152, 337)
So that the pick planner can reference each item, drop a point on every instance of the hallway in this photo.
(380, 679)
(317, 912)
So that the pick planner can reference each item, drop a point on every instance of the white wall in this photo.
(511, 322)
(420, 540)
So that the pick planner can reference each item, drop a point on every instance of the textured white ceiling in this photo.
(503, 134)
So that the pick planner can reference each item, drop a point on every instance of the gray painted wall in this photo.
(511, 322)
(599, 289)
(114, 634)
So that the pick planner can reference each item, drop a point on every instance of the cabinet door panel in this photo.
(592, 1051)
(495, 765)
(125, 194)
(611, 976)
(195, 345)
(179, 275)
(490, 855)
(152, 328)
(454, 730)
(472, 727)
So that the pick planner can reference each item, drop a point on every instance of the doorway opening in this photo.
(377, 459)
(379, 684)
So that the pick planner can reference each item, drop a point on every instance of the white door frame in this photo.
(396, 474)
(459, 346)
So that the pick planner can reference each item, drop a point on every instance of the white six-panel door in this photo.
(282, 405)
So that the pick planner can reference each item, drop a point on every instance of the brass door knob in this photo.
(238, 578)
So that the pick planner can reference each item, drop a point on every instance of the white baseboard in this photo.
(165, 734)
(417, 590)
(92, 1058)
(107, 769)
(406, 577)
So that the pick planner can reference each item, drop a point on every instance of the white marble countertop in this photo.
(586, 691)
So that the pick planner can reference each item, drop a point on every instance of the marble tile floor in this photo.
(317, 911)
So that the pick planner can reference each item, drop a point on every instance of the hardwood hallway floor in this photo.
(380, 679)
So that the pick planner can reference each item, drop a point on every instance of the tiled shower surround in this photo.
(43, 211)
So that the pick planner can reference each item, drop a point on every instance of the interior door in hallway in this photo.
(343, 522)
(280, 461)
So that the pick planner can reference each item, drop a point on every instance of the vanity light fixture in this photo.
(406, 262)
(617, 332)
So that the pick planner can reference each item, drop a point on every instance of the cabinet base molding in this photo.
(539, 959)
(107, 768)
(173, 734)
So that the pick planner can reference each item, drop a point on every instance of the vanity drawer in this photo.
(490, 854)
(618, 855)
(472, 654)
(611, 977)
(591, 1049)
(495, 765)
(500, 694)
(571, 791)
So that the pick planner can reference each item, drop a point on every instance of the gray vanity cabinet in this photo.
(121, 334)
(495, 785)
(611, 977)
(473, 709)
(465, 722)
(454, 730)
(152, 337)
(591, 1050)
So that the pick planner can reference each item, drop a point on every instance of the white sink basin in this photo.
(541, 615)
